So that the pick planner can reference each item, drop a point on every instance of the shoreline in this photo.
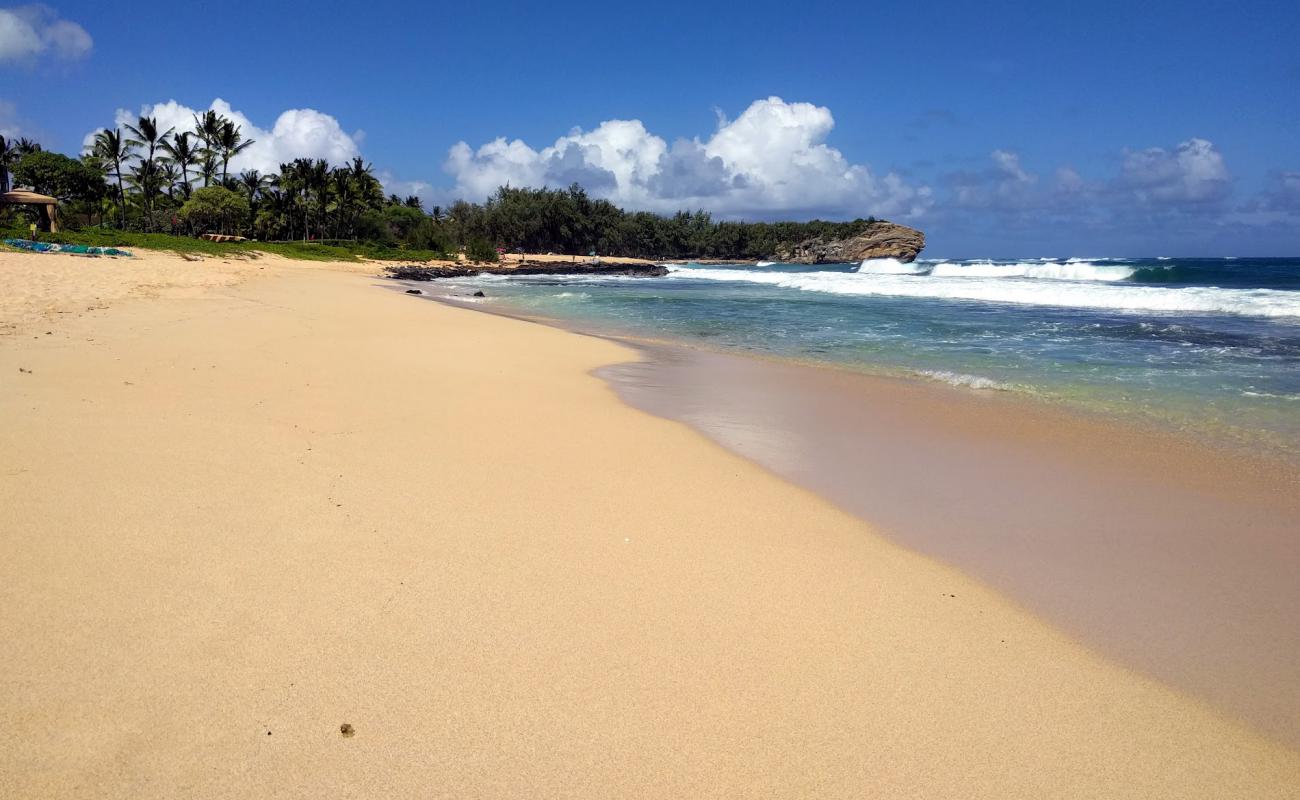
(1137, 514)
(238, 519)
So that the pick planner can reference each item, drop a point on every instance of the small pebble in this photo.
(347, 730)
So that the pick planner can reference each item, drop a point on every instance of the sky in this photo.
(1000, 129)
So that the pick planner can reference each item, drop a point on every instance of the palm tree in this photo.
(365, 186)
(183, 154)
(255, 185)
(230, 142)
(342, 184)
(11, 152)
(273, 198)
(8, 158)
(146, 134)
(208, 128)
(318, 179)
(113, 149)
(170, 176)
(147, 178)
(294, 185)
(208, 168)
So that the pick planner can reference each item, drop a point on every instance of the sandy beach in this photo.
(245, 504)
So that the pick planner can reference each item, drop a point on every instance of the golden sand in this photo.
(236, 520)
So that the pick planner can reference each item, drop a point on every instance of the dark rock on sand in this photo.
(420, 272)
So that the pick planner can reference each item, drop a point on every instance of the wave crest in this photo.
(1094, 294)
(891, 266)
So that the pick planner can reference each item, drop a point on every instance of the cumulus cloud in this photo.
(296, 133)
(1189, 179)
(1277, 205)
(1285, 194)
(1193, 172)
(772, 159)
(404, 188)
(1005, 185)
(36, 31)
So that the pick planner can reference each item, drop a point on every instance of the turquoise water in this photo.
(1207, 346)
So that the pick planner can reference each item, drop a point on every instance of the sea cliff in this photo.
(880, 240)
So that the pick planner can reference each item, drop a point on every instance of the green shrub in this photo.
(480, 250)
(214, 207)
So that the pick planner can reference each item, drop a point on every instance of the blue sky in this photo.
(1000, 129)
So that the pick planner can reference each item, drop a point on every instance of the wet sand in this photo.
(1174, 558)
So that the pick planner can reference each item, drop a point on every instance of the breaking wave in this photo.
(892, 266)
(992, 283)
(1071, 270)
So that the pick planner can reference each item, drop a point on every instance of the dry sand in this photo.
(232, 522)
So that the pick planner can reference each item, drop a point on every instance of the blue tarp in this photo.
(75, 249)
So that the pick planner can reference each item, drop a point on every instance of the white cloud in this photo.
(1189, 179)
(1193, 172)
(297, 133)
(404, 188)
(771, 160)
(9, 126)
(1005, 185)
(28, 32)
(1278, 204)
(1287, 194)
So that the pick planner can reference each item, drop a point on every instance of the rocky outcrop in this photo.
(417, 272)
(880, 240)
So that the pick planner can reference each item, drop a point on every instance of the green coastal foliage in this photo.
(96, 236)
(216, 209)
(59, 176)
(480, 250)
(145, 181)
(569, 221)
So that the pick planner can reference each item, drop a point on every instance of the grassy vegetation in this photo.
(306, 251)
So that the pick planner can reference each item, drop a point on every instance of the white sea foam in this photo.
(1002, 288)
(1072, 270)
(765, 264)
(962, 379)
(891, 266)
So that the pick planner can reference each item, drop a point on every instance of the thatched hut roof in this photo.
(24, 197)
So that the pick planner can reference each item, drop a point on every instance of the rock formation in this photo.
(421, 272)
(880, 240)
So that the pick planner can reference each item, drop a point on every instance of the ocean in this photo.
(1207, 347)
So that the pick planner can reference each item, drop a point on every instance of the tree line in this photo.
(570, 221)
(144, 178)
